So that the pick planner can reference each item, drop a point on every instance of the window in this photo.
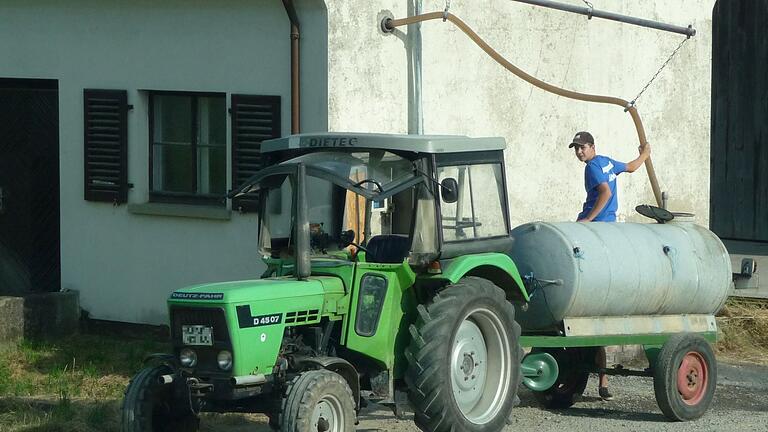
(479, 211)
(373, 291)
(188, 136)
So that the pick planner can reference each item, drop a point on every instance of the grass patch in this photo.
(82, 366)
(743, 324)
(76, 384)
(72, 384)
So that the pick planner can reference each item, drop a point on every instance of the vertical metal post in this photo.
(303, 267)
(415, 114)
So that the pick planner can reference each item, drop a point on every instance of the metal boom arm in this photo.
(591, 12)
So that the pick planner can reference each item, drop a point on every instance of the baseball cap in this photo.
(582, 138)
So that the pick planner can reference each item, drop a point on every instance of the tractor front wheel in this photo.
(150, 406)
(464, 359)
(318, 401)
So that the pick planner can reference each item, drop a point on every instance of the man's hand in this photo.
(645, 153)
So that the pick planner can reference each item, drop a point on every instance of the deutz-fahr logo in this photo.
(329, 142)
(197, 296)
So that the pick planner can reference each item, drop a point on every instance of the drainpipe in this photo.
(415, 114)
(290, 9)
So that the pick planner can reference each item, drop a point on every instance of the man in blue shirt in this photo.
(602, 201)
(600, 178)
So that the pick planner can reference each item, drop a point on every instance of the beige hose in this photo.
(391, 24)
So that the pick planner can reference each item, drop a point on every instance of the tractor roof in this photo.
(414, 143)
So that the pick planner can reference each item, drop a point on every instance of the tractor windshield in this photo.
(362, 194)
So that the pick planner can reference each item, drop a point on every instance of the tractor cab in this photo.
(393, 198)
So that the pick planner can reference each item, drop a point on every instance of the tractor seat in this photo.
(388, 249)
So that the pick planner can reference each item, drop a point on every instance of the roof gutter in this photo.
(290, 9)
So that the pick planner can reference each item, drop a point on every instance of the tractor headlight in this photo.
(188, 357)
(225, 360)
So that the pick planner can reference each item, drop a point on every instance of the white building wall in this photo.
(126, 264)
(466, 92)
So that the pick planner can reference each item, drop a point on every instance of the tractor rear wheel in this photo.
(464, 359)
(150, 406)
(318, 401)
(685, 377)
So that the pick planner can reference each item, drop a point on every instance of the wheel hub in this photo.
(480, 366)
(692, 378)
(328, 415)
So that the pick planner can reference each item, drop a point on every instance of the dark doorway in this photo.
(739, 158)
(29, 186)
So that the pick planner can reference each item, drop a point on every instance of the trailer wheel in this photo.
(318, 401)
(685, 377)
(464, 359)
(571, 379)
(149, 406)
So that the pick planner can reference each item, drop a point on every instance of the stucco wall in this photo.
(126, 264)
(465, 92)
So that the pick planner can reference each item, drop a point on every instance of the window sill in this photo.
(181, 210)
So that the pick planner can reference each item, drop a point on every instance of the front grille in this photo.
(210, 317)
(302, 316)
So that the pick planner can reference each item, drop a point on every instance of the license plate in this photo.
(196, 335)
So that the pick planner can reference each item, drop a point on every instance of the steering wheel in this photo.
(658, 214)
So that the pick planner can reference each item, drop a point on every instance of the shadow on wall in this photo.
(15, 279)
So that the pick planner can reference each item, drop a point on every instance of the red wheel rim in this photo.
(692, 377)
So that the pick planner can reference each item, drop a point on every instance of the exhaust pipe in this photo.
(303, 263)
(165, 379)
(246, 380)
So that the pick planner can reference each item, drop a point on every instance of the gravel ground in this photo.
(741, 404)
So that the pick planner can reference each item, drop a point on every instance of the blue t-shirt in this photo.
(599, 170)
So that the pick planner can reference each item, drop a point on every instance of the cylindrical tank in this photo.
(615, 269)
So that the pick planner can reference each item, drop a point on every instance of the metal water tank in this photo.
(604, 269)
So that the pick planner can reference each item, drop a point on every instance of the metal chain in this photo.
(445, 12)
(659, 71)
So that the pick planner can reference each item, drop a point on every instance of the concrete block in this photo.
(39, 316)
(12, 323)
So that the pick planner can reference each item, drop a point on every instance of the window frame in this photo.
(185, 197)
(467, 159)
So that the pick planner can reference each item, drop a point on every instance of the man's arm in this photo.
(603, 195)
(645, 152)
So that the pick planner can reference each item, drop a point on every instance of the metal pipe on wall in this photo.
(415, 112)
(290, 9)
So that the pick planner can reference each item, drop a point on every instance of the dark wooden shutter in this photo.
(106, 145)
(254, 119)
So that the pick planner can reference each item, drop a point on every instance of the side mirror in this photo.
(449, 190)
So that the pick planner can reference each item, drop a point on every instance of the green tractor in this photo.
(388, 274)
